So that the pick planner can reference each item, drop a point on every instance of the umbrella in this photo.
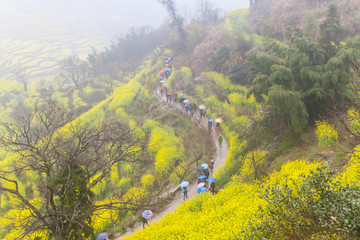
(173, 91)
(182, 95)
(199, 168)
(147, 214)
(161, 72)
(102, 236)
(219, 120)
(211, 120)
(184, 184)
(201, 190)
(162, 81)
(202, 107)
(202, 177)
(205, 165)
(201, 185)
(211, 180)
(186, 101)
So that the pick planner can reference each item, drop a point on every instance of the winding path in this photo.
(219, 159)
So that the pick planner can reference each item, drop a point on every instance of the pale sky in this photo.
(121, 14)
(37, 34)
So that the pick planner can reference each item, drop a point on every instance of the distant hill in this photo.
(276, 15)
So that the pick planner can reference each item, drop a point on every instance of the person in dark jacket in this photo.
(206, 173)
(212, 187)
(209, 126)
(144, 221)
(185, 192)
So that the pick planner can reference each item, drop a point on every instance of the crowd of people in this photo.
(205, 172)
(172, 97)
(190, 108)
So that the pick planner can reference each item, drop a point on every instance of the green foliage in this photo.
(238, 74)
(267, 29)
(237, 30)
(290, 107)
(181, 79)
(310, 25)
(317, 207)
(60, 97)
(282, 76)
(330, 30)
(218, 59)
(302, 73)
(74, 190)
(92, 95)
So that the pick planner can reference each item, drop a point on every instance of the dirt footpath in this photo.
(219, 158)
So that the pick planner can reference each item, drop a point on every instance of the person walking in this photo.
(144, 221)
(161, 89)
(220, 141)
(185, 192)
(174, 97)
(217, 125)
(206, 173)
(212, 187)
(211, 167)
(202, 113)
(209, 126)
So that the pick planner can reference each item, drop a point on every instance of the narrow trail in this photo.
(219, 159)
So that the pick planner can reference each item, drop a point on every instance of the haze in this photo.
(37, 34)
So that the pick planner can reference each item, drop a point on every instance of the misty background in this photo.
(37, 34)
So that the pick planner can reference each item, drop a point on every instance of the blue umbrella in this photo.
(211, 180)
(173, 91)
(211, 120)
(184, 184)
(147, 214)
(199, 168)
(201, 177)
(182, 95)
(186, 101)
(201, 190)
(205, 165)
(102, 236)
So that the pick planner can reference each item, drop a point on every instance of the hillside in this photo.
(291, 129)
(275, 16)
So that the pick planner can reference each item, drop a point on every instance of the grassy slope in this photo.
(227, 215)
(131, 103)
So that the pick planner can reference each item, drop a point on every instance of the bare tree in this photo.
(109, 81)
(207, 13)
(59, 81)
(20, 73)
(68, 162)
(176, 18)
(75, 70)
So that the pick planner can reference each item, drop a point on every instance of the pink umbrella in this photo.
(201, 185)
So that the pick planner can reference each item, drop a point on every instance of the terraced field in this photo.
(39, 41)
